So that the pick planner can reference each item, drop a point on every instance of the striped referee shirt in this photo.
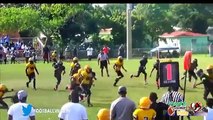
(172, 96)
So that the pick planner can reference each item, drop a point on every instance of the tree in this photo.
(18, 19)
(155, 18)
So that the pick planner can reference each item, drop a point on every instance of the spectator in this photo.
(172, 96)
(106, 49)
(46, 52)
(74, 52)
(121, 51)
(73, 110)
(144, 112)
(89, 52)
(21, 110)
(122, 108)
(27, 55)
(103, 114)
(160, 108)
(209, 103)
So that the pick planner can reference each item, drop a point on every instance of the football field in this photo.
(103, 93)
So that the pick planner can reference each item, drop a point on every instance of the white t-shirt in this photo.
(21, 111)
(73, 111)
(209, 115)
(89, 51)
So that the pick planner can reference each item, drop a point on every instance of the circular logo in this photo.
(197, 106)
(171, 111)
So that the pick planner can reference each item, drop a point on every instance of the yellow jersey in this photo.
(85, 76)
(118, 65)
(144, 114)
(103, 114)
(3, 89)
(30, 68)
(76, 78)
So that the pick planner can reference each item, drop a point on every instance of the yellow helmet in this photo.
(145, 102)
(30, 60)
(75, 59)
(103, 114)
(209, 67)
(3, 87)
(87, 67)
(120, 58)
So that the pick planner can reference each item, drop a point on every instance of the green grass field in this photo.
(103, 93)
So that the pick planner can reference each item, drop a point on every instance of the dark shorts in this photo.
(141, 70)
(86, 89)
(31, 75)
(119, 73)
(58, 77)
(74, 85)
(192, 73)
(45, 56)
(103, 64)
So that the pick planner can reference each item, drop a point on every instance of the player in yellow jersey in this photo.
(3, 90)
(75, 80)
(54, 56)
(86, 83)
(117, 67)
(30, 72)
(144, 112)
(103, 114)
(74, 66)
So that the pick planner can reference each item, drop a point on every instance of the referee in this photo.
(172, 96)
(103, 60)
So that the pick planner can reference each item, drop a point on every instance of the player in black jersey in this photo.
(142, 69)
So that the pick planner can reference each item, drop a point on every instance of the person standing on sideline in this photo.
(103, 60)
(75, 52)
(21, 110)
(106, 49)
(142, 69)
(46, 53)
(89, 52)
(172, 96)
(121, 50)
(27, 55)
(30, 72)
(209, 103)
(122, 108)
(159, 107)
(73, 110)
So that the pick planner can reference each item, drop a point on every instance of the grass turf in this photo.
(103, 93)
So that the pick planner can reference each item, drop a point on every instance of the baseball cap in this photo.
(21, 94)
(121, 89)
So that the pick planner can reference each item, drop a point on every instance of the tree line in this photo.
(65, 24)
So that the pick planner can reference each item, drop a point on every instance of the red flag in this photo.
(187, 60)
